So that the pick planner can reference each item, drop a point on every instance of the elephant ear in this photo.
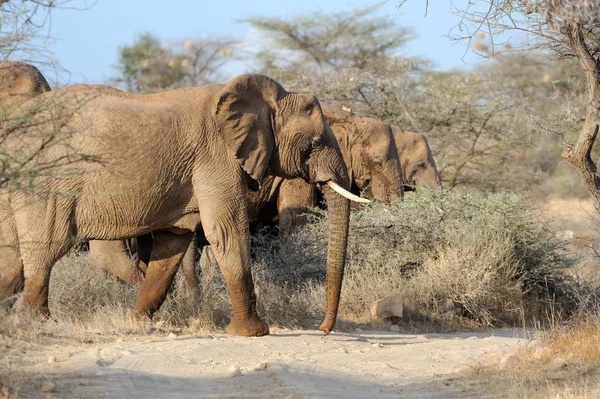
(246, 113)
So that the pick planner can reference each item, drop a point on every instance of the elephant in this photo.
(19, 82)
(287, 200)
(172, 163)
(369, 151)
(418, 165)
(370, 154)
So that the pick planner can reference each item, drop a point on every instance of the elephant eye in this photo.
(316, 141)
(411, 176)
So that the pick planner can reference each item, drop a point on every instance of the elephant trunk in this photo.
(338, 209)
(430, 178)
(387, 183)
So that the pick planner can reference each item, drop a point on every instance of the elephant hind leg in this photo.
(44, 235)
(167, 252)
(12, 278)
(37, 265)
(189, 269)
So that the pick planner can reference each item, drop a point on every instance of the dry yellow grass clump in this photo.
(577, 342)
(563, 362)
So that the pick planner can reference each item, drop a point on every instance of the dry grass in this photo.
(87, 303)
(577, 342)
(459, 260)
(563, 363)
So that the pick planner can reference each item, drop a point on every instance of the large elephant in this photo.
(167, 163)
(418, 165)
(19, 82)
(369, 151)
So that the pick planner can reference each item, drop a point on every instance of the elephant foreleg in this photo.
(167, 252)
(229, 238)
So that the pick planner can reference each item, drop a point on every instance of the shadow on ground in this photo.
(276, 382)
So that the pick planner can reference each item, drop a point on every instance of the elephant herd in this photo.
(182, 168)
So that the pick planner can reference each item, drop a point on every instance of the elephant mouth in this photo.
(409, 187)
(363, 184)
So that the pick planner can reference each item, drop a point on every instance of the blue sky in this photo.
(87, 41)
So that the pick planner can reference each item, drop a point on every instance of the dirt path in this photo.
(287, 364)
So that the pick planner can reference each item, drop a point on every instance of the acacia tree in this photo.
(350, 59)
(146, 66)
(471, 119)
(319, 42)
(569, 28)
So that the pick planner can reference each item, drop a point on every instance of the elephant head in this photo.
(418, 165)
(369, 151)
(19, 82)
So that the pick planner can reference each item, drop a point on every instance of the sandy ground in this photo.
(571, 214)
(286, 364)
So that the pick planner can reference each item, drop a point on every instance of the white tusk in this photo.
(345, 193)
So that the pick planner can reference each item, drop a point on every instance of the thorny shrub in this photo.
(485, 261)
(457, 260)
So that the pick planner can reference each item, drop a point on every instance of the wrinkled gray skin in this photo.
(19, 82)
(369, 151)
(168, 163)
(418, 165)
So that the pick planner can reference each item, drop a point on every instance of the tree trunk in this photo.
(580, 156)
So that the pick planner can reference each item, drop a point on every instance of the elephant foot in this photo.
(29, 308)
(248, 327)
(326, 326)
(142, 314)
